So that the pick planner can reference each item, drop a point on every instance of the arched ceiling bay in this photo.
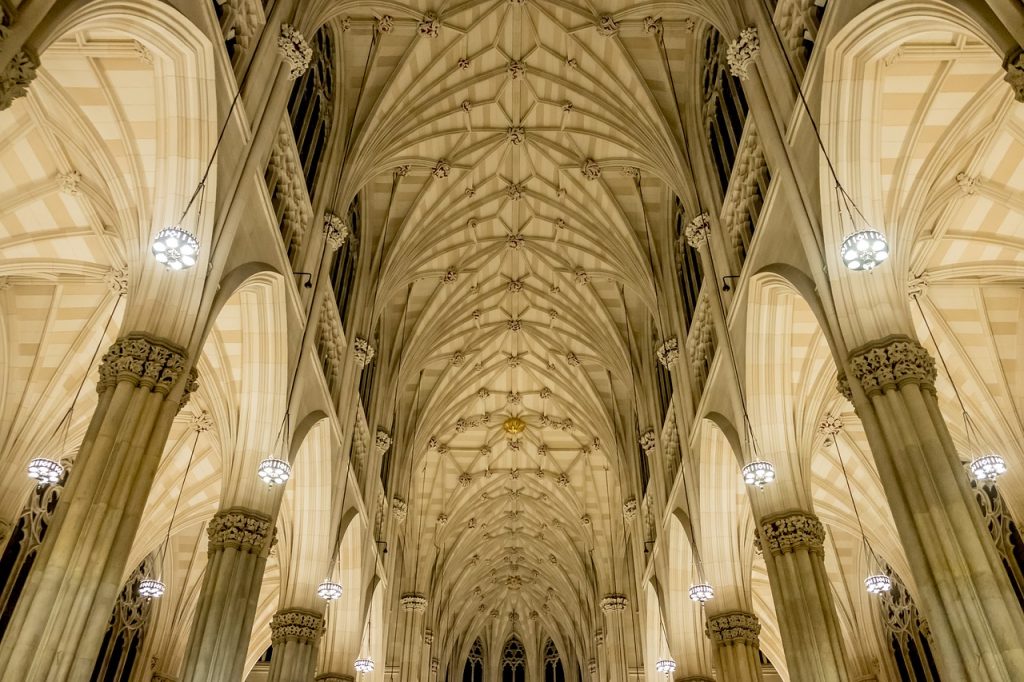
(514, 158)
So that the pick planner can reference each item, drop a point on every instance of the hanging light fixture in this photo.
(665, 666)
(44, 470)
(988, 467)
(864, 250)
(701, 592)
(151, 588)
(176, 248)
(364, 664)
(329, 591)
(274, 471)
(758, 473)
(878, 583)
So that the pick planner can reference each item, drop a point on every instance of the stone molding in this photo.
(144, 361)
(413, 601)
(334, 677)
(891, 363)
(733, 627)
(241, 529)
(296, 624)
(614, 602)
(791, 531)
(696, 678)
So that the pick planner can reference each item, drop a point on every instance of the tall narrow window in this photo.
(1004, 532)
(553, 670)
(125, 630)
(910, 639)
(343, 267)
(725, 106)
(474, 669)
(691, 274)
(311, 107)
(513, 662)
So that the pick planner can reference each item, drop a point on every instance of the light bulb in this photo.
(877, 584)
(864, 250)
(44, 470)
(329, 590)
(702, 592)
(274, 471)
(175, 248)
(759, 473)
(151, 588)
(988, 467)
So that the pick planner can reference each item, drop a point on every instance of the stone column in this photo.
(57, 627)
(964, 592)
(239, 542)
(414, 605)
(735, 636)
(295, 635)
(614, 606)
(793, 544)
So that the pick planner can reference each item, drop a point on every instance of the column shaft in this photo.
(58, 625)
(239, 542)
(964, 591)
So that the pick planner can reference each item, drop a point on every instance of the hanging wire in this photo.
(177, 500)
(853, 500)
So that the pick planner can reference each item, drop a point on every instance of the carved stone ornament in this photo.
(830, 426)
(514, 191)
(1014, 66)
(515, 135)
(567, 107)
(362, 351)
(734, 627)
(968, 184)
(668, 352)
(295, 51)
(742, 52)
(70, 183)
(562, 481)
(590, 169)
(441, 169)
(143, 361)
(296, 624)
(242, 530)
(116, 279)
(17, 74)
(697, 230)
(442, 520)
(572, 63)
(889, 363)
(516, 69)
(428, 636)
(382, 441)
(399, 509)
(385, 24)
(629, 509)
(435, 665)
(413, 601)
(648, 441)
(464, 480)
(464, 63)
(792, 531)
(581, 277)
(201, 421)
(572, 360)
(614, 602)
(515, 241)
(450, 276)
(653, 26)
(592, 666)
(607, 26)
(430, 25)
(335, 231)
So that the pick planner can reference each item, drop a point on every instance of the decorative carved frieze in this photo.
(892, 362)
(296, 624)
(144, 361)
(792, 531)
(614, 602)
(295, 51)
(241, 529)
(413, 601)
(742, 52)
(734, 627)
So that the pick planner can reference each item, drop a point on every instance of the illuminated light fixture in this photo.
(702, 593)
(329, 591)
(151, 588)
(364, 665)
(175, 248)
(988, 468)
(864, 250)
(274, 471)
(877, 584)
(46, 471)
(513, 426)
(665, 666)
(759, 473)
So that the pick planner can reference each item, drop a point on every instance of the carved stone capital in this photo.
(696, 678)
(413, 601)
(334, 677)
(399, 509)
(890, 363)
(792, 531)
(16, 76)
(160, 677)
(733, 627)
(296, 624)
(742, 52)
(241, 529)
(295, 51)
(335, 231)
(697, 230)
(843, 386)
(144, 361)
(1014, 65)
(614, 602)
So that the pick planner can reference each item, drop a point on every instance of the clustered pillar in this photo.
(239, 543)
(735, 635)
(793, 544)
(295, 634)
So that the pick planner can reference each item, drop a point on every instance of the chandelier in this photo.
(329, 591)
(758, 473)
(44, 470)
(176, 248)
(665, 666)
(864, 250)
(877, 584)
(364, 664)
(701, 592)
(151, 588)
(988, 467)
(274, 471)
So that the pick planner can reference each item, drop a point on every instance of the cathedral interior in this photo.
(511, 340)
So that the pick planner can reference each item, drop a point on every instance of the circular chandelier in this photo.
(151, 588)
(175, 248)
(364, 664)
(877, 584)
(702, 592)
(44, 470)
(329, 590)
(988, 468)
(274, 471)
(758, 473)
(665, 666)
(864, 250)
